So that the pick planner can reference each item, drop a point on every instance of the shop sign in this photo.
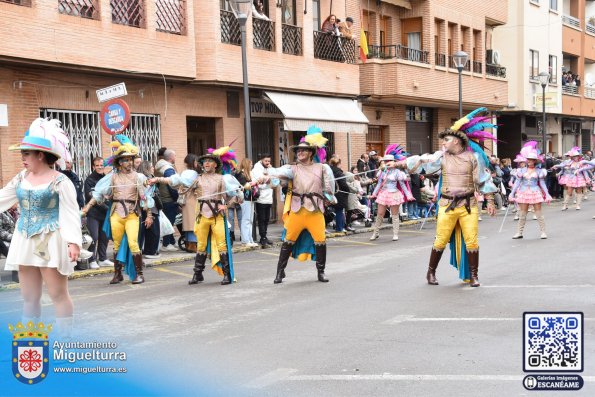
(115, 116)
(264, 109)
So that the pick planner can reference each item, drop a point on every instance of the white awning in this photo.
(330, 114)
(399, 3)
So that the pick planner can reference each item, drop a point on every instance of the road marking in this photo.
(268, 253)
(406, 318)
(539, 286)
(394, 377)
(161, 269)
(353, 242)
(269, 378)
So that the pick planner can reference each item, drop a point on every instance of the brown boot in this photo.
(138, 266)
(191, 246)
(473, 258)
(117, 271)
(433, 265)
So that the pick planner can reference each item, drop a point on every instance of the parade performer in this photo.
(311, 184)
(586, 165)
(215, 188)
(572, 181)
(129, 194)
(465, 170)
(387, 192)
(47, 240)
(521, 163)
(530, 188)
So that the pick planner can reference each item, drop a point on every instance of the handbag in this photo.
(165, 225)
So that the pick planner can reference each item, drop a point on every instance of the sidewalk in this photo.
(274, 234)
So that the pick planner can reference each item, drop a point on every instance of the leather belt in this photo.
(455, 200)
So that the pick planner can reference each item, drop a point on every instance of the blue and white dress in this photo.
(49, 220)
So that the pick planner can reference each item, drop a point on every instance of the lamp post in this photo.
(242, 9)
(460, 59)
(544, 77)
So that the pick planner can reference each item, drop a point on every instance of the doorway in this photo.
(200, 134)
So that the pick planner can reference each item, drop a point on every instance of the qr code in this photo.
(553, 342)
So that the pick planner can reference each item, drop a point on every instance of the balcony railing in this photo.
(590, 28)
(171, 16)
(413, 55)
(292, 39)
(452, 64)
(589, 92)
(477, 67)
(440, 59)
(128, 12)
(230, 28)
(333, 48)
(495, 70)
(569, 90)
(571, 21)
(25, 3)
(382, 51)
(264, 34)
(79, 8)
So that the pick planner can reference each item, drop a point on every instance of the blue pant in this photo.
(247, 219)
(339, 219)
(170, 210)
(231, 217)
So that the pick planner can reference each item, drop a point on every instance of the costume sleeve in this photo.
(68, 216)
(541, 180)
(482, 176)
(8, 194)
(516, 185)
(329, 183)
(258, 172)
(586, 165)
(285, 172)
(380, 182)
(147, 200)
(186, 178)
(232, 186)
(103, 188)
(430, 163)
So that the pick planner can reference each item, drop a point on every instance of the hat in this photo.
(47, 136)
(471, 127)
(211, 156)
(304, 145)
(520, 159)
(388, 157)
(225, 157)
(349, 19)
(529, 151)
(315, 142)
(396, 151)
(122, 146)
(372, 153)
(575, 151)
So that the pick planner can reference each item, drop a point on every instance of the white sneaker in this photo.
(395, 238)
(152, 256)
(169, 248)
(106, 263)
(479, 219)
(543, 235)
(93, 265)
(375, 235)
(516, 218)
(356, 223)
(534, 217)
(84, 254)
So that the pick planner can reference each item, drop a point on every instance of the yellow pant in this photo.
(130, 224)
(216, 225)
(447, 222)
(295, 223)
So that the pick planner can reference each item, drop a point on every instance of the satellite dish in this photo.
(589, 79)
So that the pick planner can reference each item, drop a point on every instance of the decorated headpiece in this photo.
(225, 157)
(315, 142)
(397, 151)
(530, 151)
(122, 146)
(46, 135)
(575, 151)
(471, 127)
(520, 159)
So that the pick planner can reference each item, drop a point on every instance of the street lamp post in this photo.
(242, 9)
(543, 79)
(460, 59)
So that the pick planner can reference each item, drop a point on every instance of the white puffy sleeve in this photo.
(285, 172)
(69, 216)
(103, 188)
(186, 178)
(232, 186)
(8, 194)
(147, 201)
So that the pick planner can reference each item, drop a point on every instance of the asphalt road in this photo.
(376, 329)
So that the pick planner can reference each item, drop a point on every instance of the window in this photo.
(534, 64)
(84, 132)
(554, 5)
(288, 12)
(128, 12)
(79, 8)
(145, 132)
(416, 113)
(316, 14)
(553, 69)
(171, 16)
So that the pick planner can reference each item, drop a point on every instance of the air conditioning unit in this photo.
(493, 57)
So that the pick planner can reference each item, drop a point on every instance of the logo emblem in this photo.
(30, 352)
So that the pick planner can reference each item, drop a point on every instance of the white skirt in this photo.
(22, 252)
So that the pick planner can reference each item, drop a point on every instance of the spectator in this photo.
(76, 182)
(415, 184)
(244, 176)
(234, 208)
(187, 199)
(160, 153)
(354, 207)
(258, 10)
(136, 165)
(149, 237)
(330, 25)
(7, 222)
(428, 195)
(342, 192)
(362, 163)
(506, 176)
(345, 28)
(373, 163)
(95, 218)
(265, 200)
(169, 196)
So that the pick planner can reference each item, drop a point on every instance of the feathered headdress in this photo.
(316, 142)
(228, 161)
(121, 146)
(397, 151)
(575, 151)
(471, 127)
(531, 152)
(46, 135)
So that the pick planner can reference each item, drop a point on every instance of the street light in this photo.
(544, 78)
(460, 60)
(241, 9)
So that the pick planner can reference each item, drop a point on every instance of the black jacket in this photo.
(341, 185)
(98, 211)
(77, 186)
(415, 185)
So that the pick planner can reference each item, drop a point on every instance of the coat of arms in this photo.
(30, 352)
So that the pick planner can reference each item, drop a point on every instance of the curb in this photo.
(235, 250)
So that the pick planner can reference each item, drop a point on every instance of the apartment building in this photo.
(410, 81)
(556, 37)
(181, 62)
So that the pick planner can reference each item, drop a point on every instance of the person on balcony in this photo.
(258, 10)
(330, 25)
(345, 28)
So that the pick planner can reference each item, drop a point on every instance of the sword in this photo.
(427, 214)
(505, 215)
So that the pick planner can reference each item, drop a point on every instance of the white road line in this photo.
(539, 286)
(393, 377)
(278, 375)
(408, 318)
